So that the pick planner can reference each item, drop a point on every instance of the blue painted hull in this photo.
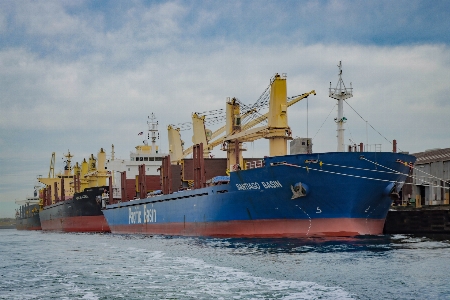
(343, 194)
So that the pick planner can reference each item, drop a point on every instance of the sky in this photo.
(83, 75)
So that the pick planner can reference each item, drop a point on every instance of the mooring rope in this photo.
(412, 176)
(358, 176)
(337, 173)
(362, 169)
(430, 175)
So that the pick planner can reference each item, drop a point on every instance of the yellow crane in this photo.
(260, 119)
(210, 139)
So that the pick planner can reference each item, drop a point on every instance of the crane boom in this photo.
(51, 171)
(258, 120)
(265, 116)
(177, 151)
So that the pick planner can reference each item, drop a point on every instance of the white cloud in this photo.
(388, 82)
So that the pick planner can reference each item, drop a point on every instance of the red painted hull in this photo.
(77, 224)
(28, 228)
(261, 228)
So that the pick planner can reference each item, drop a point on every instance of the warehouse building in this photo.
(430, 180)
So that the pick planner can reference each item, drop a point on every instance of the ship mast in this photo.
(340, 93)
(68, 167)
(153, 128)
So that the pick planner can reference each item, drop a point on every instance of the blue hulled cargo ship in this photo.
(332, 194)
(310, 194)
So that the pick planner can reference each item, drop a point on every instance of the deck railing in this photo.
(254, 164)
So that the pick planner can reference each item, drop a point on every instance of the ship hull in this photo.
(343, 194)
(30, 223)
(277, 228)
(77, 224)
(29, 219)
(82, 213)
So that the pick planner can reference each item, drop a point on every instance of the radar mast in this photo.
(153, 128)
(340, 93)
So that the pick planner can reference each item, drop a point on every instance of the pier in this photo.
(432, 219)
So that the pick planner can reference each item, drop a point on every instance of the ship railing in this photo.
(254, 164)
(364, 147)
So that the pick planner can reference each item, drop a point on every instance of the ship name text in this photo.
(273, 184)
(137, 216)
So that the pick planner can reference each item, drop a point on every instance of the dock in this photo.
(430, 219)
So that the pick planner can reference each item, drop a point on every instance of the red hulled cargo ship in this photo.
(81, 213)
(72, 201)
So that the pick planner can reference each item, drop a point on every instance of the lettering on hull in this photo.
(141, 214)
(273, 184)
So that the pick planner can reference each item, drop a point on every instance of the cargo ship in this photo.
(27, 215)
(71, 201)
(283, 195)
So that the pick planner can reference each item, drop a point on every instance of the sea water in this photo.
(43, 265)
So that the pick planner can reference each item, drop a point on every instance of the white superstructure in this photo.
(146, 154)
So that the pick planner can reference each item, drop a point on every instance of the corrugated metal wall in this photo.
(431, 177)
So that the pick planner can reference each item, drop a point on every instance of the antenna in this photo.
(340, 93)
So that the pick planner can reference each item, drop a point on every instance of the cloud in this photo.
(66, 30)
(77, 95)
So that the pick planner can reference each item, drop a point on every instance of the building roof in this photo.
(432, 155)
